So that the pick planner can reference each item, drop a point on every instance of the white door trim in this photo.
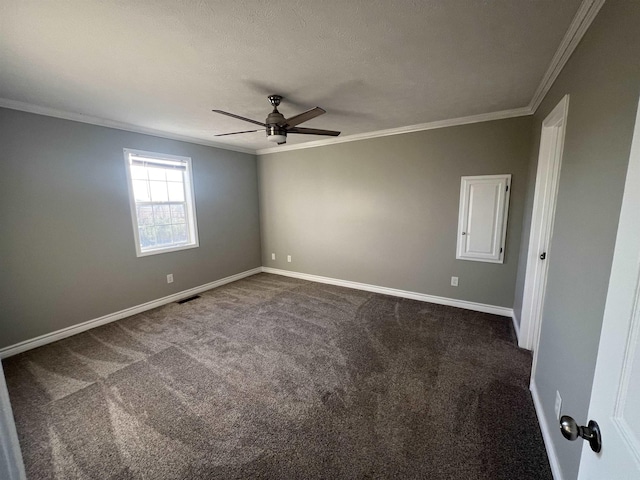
(546, 190)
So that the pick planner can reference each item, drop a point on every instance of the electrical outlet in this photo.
(558, 407)
(170, 278)
(273, 256)
(454, 281)
(289, 258)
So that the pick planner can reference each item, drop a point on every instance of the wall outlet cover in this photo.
(454, 281)
(170, 278)
(273, 256)
(289, 258)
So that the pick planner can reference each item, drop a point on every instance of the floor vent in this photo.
(188, 299)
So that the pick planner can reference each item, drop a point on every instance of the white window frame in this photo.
(191, 220)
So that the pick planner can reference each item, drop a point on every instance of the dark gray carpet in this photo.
(273, 377)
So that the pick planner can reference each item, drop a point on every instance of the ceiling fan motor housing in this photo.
(275, 129)
(273, 122)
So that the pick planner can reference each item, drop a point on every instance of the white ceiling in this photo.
(372, 64)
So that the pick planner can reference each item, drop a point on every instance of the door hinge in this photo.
(500, 249)
(507, 188)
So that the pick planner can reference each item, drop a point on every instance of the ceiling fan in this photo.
(277, 127)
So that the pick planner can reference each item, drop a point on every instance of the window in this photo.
(162, 202)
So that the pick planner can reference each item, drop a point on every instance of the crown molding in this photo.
(452, 122)
(581, 22)
(583, 18)
(102, 122)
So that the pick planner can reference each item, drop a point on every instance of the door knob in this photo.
(591, 433)
(543, 255)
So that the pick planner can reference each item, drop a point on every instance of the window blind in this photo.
(165, 163)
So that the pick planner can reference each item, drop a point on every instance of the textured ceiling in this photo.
(372, 64)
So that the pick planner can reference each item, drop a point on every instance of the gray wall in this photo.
(526, 225)
(384, 211)
(68, 252)
(603, 80)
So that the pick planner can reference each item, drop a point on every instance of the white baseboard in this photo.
(516, 326)
(477, 307)
(546, 434)
(112, 317)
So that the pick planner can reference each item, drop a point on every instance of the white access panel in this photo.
(482, 221)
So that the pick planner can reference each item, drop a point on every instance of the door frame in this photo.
(542, 220)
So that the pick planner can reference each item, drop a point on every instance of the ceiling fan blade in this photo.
(239, 117)
(304, 116)
(236, 133)
(312, 131)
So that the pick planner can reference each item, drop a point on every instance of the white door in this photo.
(544, 207)
(615, 398)
(11, 466)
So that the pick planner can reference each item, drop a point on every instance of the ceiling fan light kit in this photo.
(278, 138)
(277, 127)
